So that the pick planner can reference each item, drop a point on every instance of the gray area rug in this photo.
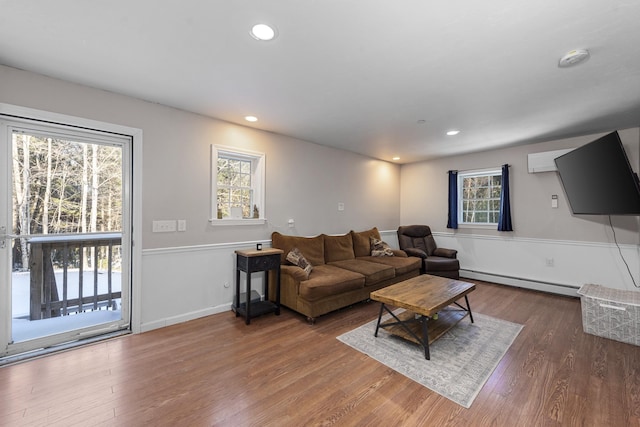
(461, 360)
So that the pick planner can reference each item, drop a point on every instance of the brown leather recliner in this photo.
(417, 240)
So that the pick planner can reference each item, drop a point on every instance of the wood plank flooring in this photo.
(280, 371)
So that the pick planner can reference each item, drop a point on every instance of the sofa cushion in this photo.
(361, 243)
(311, 247)
(338, 248)
(296, 258)
(401, 264)
(373, 272)
(380, 248)
(326, 280)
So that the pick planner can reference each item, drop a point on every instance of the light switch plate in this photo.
(167, 226)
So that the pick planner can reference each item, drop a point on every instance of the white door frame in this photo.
(17, 113)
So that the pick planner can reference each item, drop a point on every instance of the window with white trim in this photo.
(237, 184)
(479, 197)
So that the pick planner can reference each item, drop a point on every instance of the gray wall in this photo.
(305, 181)
(424, 194)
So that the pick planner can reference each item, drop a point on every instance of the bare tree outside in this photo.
(21, 180)
(481, 199)
(234, 187)
(63, 186)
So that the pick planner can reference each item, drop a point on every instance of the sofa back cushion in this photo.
(338, 248)
(361, 242)
(311, 247)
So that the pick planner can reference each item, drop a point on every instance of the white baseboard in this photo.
(174, 320)
(555, 288)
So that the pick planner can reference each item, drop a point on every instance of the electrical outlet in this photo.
(549, 262)
(164, 226)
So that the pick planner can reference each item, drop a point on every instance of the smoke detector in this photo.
(573, 57)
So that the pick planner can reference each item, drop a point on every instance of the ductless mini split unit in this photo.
(544, 162)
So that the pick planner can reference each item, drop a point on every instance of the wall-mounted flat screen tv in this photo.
(598, 178)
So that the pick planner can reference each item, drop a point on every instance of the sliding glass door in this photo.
(64, 234)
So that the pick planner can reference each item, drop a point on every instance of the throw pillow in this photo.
(295, 257)
(380, 248)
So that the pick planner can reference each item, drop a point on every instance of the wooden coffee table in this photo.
(430, 304)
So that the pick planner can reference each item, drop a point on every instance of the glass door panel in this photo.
(63, 235)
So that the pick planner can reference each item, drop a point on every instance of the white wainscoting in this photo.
(523, 262)
(184, 283)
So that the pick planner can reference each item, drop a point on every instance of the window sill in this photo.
(480, 226)
(230, 221)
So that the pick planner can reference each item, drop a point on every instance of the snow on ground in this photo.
(20, 290)
(24, 329)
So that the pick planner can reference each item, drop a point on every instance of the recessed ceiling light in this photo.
(263, 32)
(453, 132)
(396, 158)
(251, 118)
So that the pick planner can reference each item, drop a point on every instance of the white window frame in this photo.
(258, 182)
(473, 174)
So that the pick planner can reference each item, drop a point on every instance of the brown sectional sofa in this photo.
(344, 272)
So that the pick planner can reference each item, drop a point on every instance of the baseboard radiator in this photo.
(519, 282)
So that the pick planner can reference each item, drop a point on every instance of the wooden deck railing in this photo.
(45, 299)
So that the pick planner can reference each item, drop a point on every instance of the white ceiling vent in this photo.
(573, 57)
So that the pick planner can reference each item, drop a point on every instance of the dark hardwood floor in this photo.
(279, 371)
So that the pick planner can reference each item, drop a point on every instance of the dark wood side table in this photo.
(250, 261)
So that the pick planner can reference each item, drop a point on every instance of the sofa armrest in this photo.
(415, 252)
(399, 253)
(294, 271)
(445, 253)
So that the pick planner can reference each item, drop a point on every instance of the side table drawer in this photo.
(262, 263)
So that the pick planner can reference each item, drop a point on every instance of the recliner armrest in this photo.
(446, 253)
(415, 252)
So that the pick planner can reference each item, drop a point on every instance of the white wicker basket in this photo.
(611, 313)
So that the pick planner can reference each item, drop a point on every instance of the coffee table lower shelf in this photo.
(412, 327)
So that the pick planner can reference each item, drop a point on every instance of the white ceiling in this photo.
(355, 74)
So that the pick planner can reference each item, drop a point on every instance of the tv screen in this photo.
(598, 179)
